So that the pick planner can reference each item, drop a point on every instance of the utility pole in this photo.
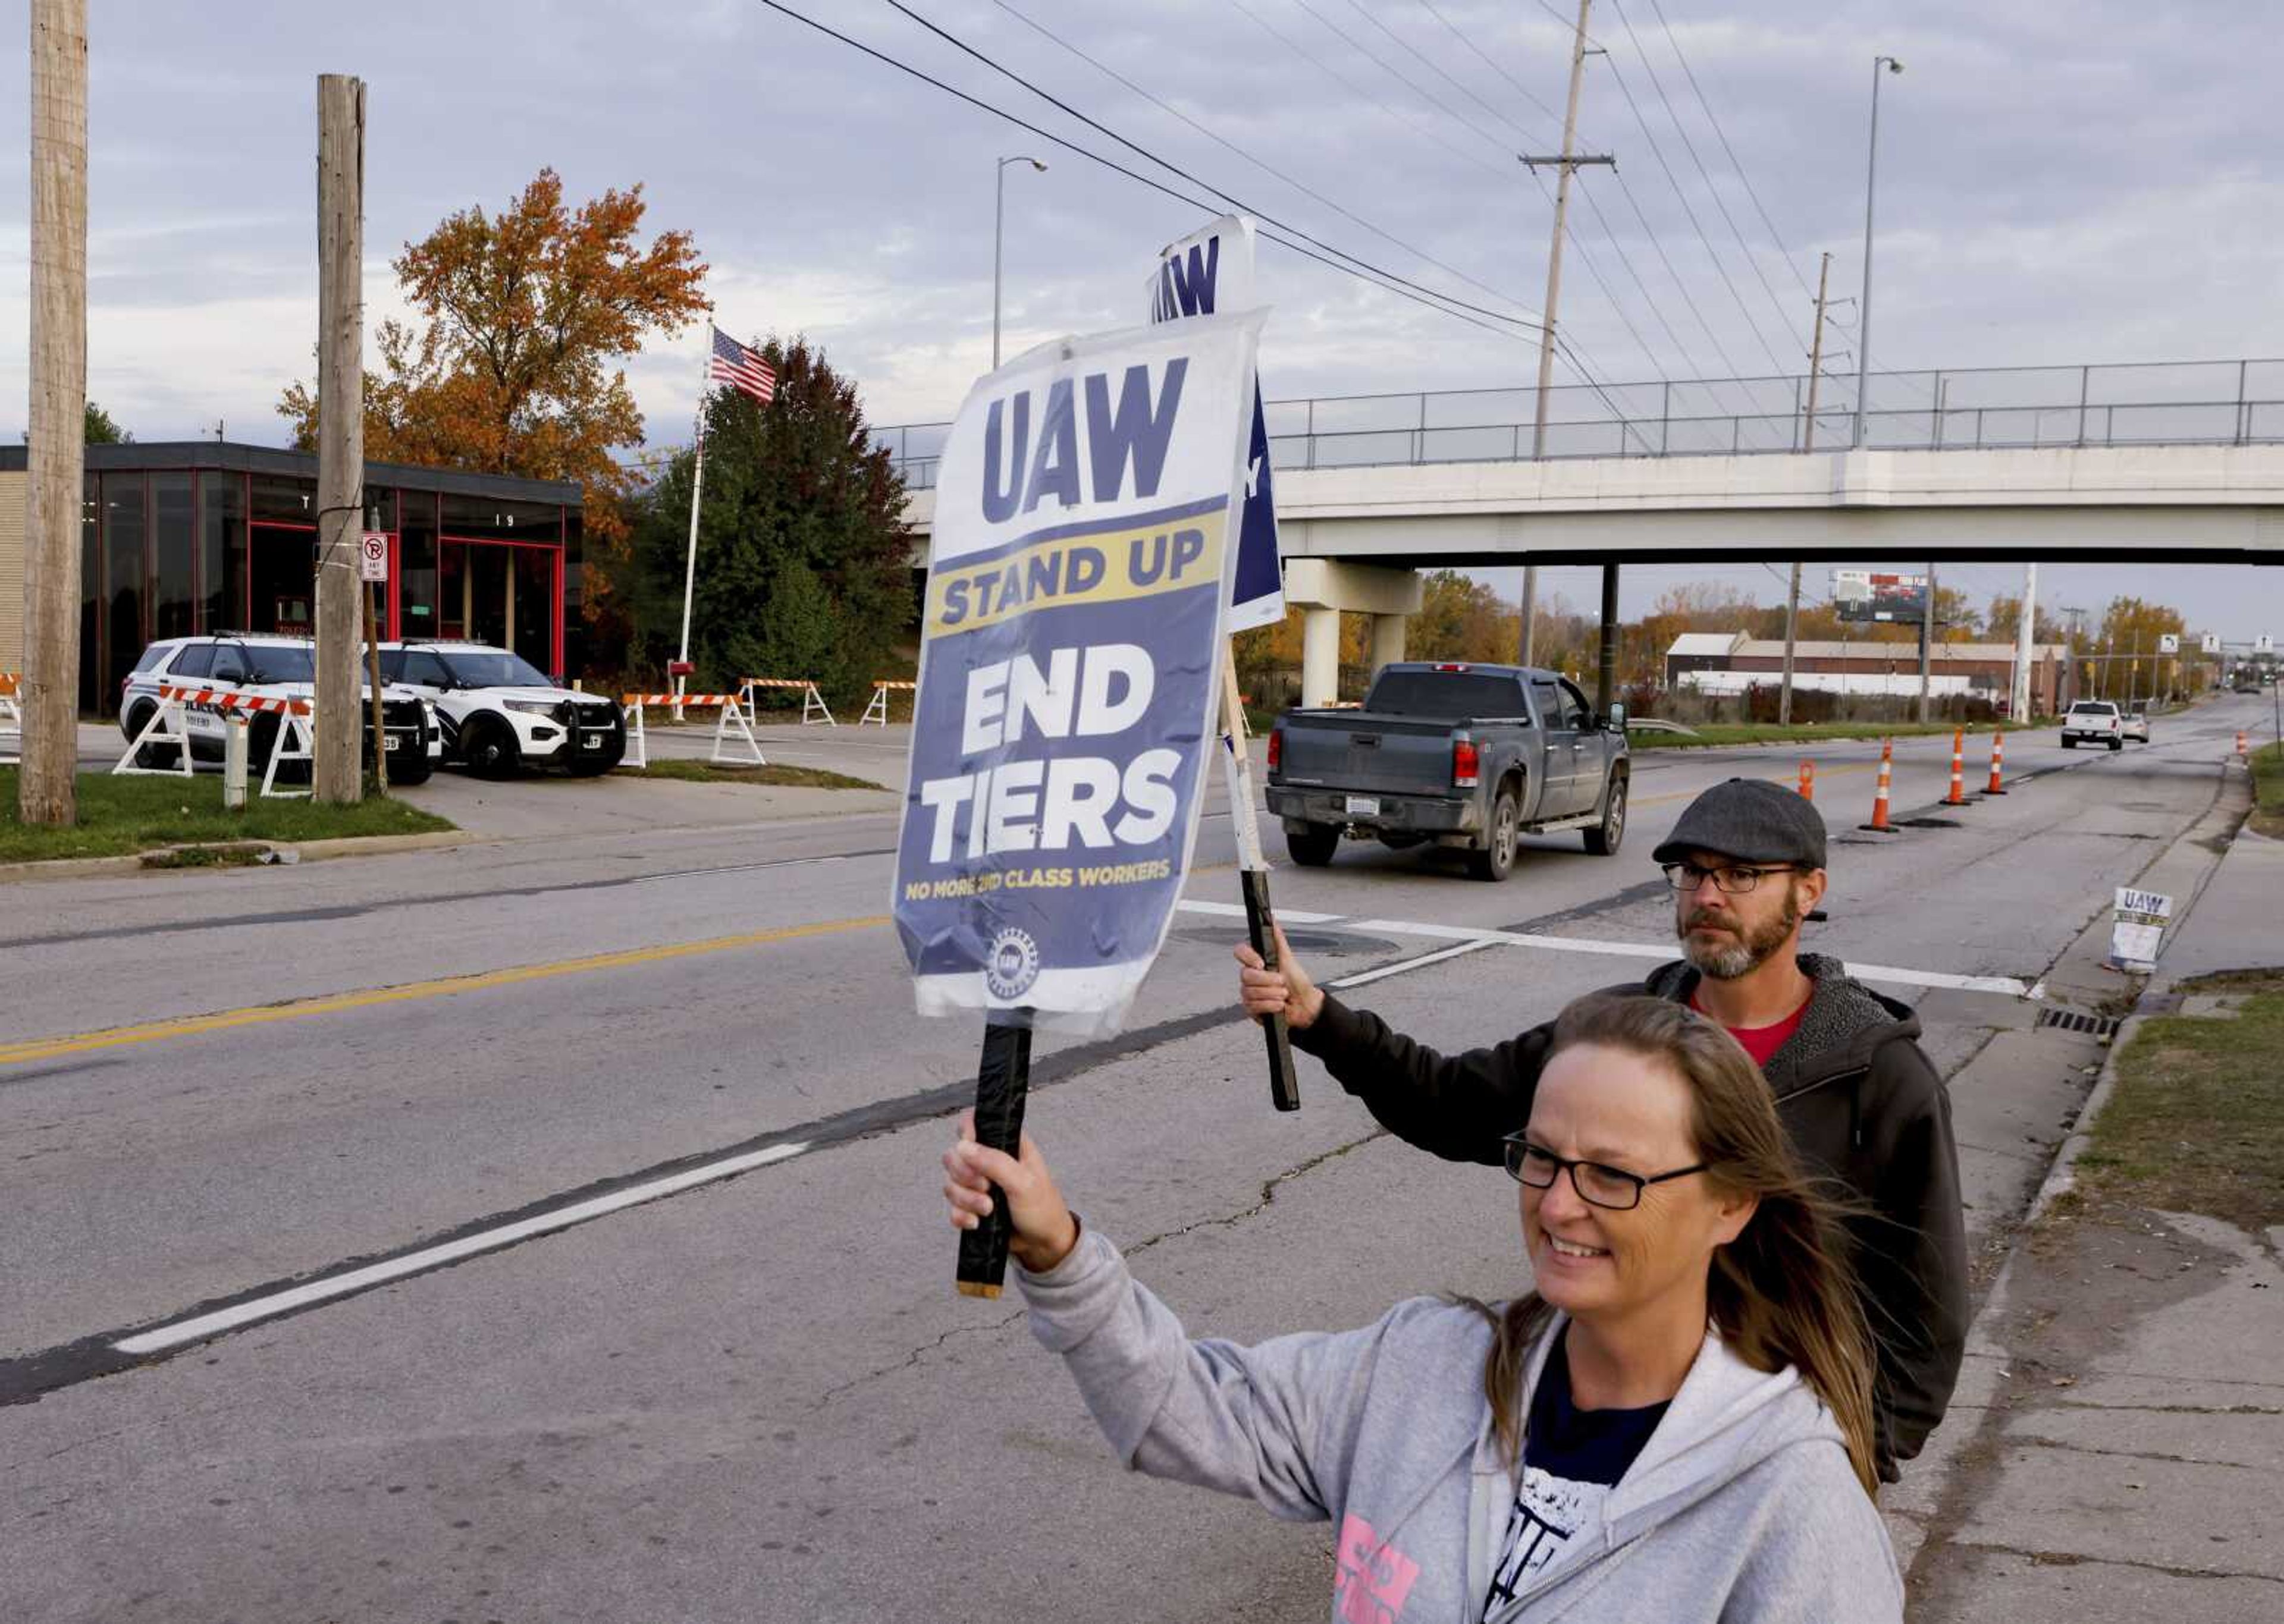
(334, 774)
(1927, 642)
(1565, 164)
(1807, 443)
(47, 791)
(2026, 644)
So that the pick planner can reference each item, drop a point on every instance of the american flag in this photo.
(741, 368)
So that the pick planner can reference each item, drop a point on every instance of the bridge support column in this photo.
(1320, 656)
(1322, 587)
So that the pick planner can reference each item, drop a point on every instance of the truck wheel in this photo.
(1602, 841)
(1495, 861)
(2069, 742)
(1313, 848)
(2116, 744)
(413, 769)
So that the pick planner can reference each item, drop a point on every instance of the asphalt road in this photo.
(759, 1398)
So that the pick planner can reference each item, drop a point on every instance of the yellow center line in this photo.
(116, 1037)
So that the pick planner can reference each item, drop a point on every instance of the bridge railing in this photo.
(2217, 403)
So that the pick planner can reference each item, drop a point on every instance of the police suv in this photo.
(230, 665)
(499, 713)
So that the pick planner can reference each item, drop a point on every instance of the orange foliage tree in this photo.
(510, 370)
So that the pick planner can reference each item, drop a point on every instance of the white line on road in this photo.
(206, 1325)
(1886, 973)
(1363, 978)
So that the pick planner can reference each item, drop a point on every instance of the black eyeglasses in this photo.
(1688, 876)
(1597, 1185)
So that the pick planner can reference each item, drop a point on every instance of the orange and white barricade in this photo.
(812, 703)
(732, 726)
(12, 720)
(878, 710)
(168, 728)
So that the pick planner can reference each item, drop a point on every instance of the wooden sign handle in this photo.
(1003, 1079)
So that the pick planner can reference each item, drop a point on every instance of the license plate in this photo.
(1364, 806)
(397, 744)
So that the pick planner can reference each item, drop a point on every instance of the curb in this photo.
(304, 851)
(2062, 1177)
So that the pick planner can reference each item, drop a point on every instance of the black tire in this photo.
(1313, 848)
(2069, 742)
(490, 749)
(137, 717)
(411, 770)
(1603, 839)
(2116, 744)
(151, 758)
(1495, 861)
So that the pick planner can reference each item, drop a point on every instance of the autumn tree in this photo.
(1460, 617)
(804, 563)
(512, 366)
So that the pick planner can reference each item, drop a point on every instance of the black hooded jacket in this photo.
(1859, 1097)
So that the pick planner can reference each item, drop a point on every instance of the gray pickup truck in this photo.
(1463, 755)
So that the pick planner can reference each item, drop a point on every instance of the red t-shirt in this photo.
(1762, 1042)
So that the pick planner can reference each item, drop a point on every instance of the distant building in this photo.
(204, 536)
(1731, 662)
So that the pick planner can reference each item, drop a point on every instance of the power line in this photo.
(1259, 163)
(1406, 45)
(1174, 168)
(1774, 235)
(1389, 68)
(1674, 113)
(1519, 88)
(1432, 300)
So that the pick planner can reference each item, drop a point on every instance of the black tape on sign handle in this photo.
(1003, 1079)
(1284, 1085)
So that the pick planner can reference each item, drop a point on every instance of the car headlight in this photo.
(427, 713)
(531, 707)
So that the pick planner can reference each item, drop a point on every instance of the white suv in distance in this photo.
(267, 666)
(500, 714)
(2095, 722)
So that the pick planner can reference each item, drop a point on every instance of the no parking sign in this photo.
(372, 556)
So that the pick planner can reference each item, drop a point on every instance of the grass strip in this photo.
(2268, 791)
(775, 775)
(1759, 733)
(2195, 1122)
(120, 817)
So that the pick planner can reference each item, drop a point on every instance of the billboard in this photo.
(1861, 595)
(1086, 522)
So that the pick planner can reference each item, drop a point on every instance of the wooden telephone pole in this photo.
(1807, 443)
(334, 773)
(1565, 164)
(46, 789)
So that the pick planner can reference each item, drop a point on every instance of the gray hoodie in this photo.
(1741, 1507)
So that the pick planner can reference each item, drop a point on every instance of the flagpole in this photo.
(697, 484)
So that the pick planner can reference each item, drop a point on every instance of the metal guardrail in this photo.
(2217, 403)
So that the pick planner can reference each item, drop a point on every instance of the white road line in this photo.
(450, 1252)
(1888, 975)
(1363, 978)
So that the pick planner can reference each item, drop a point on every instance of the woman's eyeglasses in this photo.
(1597, 1184)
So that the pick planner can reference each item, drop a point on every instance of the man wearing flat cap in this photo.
(1860, 1098)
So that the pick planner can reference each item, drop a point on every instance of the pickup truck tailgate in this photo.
(1368, 753)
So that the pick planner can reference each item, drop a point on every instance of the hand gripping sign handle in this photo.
(1002, 1081)
(1261, 924)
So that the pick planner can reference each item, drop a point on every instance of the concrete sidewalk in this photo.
(2129, 1464)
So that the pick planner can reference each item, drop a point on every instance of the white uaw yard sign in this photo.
(1086, 513)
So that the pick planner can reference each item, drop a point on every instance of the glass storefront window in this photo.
(415, 563)
(285, 499)
(285, 579)
(487, 519)
(174, 581)
(534, 586)
(221, 551)
(124, 515)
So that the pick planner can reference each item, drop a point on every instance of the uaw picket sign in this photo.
(1206, 271)
(2139, 928)
(1078, 577)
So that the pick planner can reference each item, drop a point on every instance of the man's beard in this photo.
(1739, 955)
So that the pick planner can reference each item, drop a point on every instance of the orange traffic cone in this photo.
(1808, 780)
(1958, 796)
(2241, 751)
(1879, 824)
(1998, 761)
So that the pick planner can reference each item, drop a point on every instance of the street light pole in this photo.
(998, 236)
(1864, 305)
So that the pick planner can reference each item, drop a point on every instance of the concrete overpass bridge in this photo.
(2176, 463)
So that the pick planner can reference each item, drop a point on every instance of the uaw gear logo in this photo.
(1013, 964)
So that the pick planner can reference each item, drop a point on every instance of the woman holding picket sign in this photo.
(1675, 1425)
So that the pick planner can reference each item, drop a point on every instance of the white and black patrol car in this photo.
(265, 666)
(500, 714)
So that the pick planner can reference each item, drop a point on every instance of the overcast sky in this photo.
(2069, 182)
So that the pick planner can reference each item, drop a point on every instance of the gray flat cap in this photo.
(1750, 820)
